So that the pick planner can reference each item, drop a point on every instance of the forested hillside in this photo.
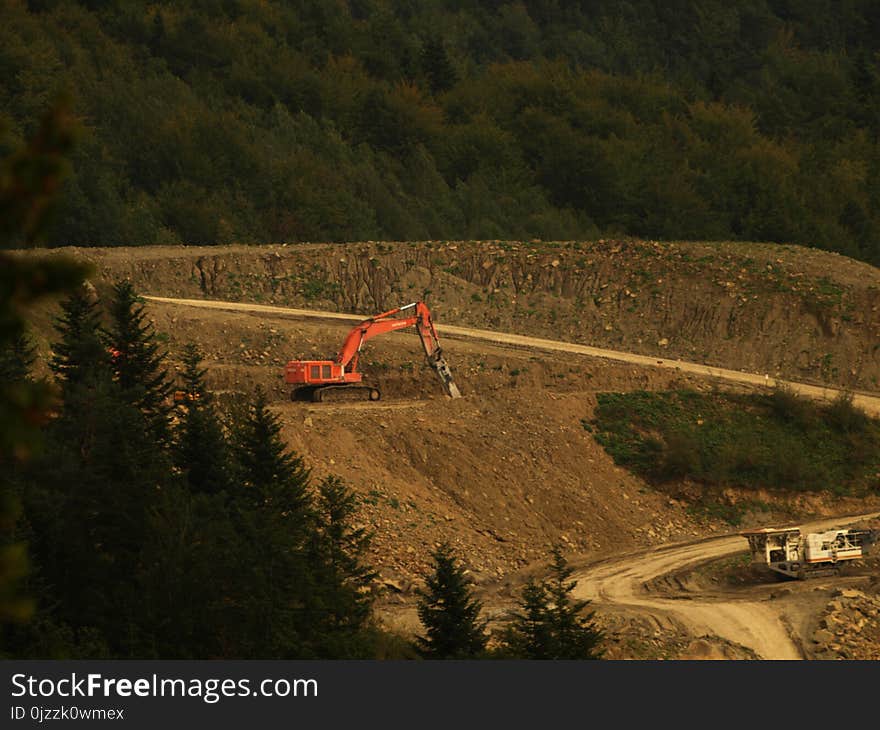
(239, 120)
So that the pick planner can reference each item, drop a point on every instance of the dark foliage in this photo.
(449, 612)
(550, 623)
(229, 554)
(201, 451)
(267, 470)
(265, 121)
(143, 547)
(137, 362)
(28, 179)
(338, 547)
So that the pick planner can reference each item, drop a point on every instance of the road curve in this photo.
(869, 403)
(620, 582)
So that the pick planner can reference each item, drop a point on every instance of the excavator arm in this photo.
(431, 344)
(388, 322)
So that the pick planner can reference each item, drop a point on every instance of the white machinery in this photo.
(788, 552)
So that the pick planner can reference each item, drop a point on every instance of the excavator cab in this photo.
(313, 372)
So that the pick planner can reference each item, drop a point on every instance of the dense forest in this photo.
(244, 120)
(163, 530)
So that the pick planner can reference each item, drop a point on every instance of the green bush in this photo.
(845, 417)
(792, 408)
(779, 441)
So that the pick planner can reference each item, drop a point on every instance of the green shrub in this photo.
(843, 416)
(780, 441)
(790, 407)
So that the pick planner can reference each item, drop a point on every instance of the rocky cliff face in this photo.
(799, 313)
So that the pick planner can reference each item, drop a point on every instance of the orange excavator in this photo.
(316, 379)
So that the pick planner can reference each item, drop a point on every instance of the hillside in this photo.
(509, 469)
(573, 187)
(780, 310)
(253, 121)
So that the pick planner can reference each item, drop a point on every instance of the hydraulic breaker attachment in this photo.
(445, 374)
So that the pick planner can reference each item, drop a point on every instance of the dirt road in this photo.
(870, 403)
(620, 582)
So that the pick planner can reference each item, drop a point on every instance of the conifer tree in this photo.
(449, 612)
(138, 364)
(284, 600)
(529, 634)
(267, 467)
(201, 450)
(194, 578)
(550, 623)
(80, 356)
(575, 632)
(89, 498)
(16, 360)
(346, 543)
(342, 577)
(307, 581)
(437, 66)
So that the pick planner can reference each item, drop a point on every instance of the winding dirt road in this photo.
(621, 582)
(866, 401)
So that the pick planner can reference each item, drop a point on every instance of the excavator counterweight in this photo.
(314, 379)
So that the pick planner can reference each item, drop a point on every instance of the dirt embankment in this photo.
(502, 473)
(779, 310)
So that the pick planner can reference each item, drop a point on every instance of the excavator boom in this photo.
(314, 378)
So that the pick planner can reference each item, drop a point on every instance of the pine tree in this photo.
(195, 578)
(449, 612)
(89, 498)
(550, 624)
(16, 360)
(574, 631)
(437, 66)
(528, 636)
(80, 356)
(201, 451)
(283, 603)
(138, 364)
(345, 544)
(267, 467)
(342, 578)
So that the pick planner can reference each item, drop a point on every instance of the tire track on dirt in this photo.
(867, 401)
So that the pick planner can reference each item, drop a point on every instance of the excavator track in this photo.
(341, 393)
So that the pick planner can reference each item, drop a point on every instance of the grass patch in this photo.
(319, 288)
(733, 513)
(777, 441)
